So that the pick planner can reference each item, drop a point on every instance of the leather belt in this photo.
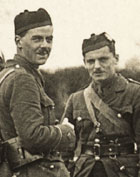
(17, 156)
(111, 149)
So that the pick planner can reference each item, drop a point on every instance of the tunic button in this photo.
(75, 158)
(14, 175)
(58, 153)
(17, 66)
(122, 168)
(56, 121)
(79, 118)
(97, 140)
(69, 135)
(53, 107)
(119, 115)
(51, 166)
(97, 158)
(110, 149)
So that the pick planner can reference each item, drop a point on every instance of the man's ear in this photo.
(117, 58)
(84, 60)
(18, 41)
(85, 65)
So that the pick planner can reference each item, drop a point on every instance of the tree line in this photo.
(60, 84)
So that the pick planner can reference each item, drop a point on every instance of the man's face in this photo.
(100, 64)
(36, 44)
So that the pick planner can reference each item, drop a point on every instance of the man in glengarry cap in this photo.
(27, 120)
(106, 115)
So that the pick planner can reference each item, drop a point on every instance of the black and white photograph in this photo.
(70, 88)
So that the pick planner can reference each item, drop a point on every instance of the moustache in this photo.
(98, 71)
(44, 51)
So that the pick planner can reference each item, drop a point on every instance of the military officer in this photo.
(106, 115)
(31, 137)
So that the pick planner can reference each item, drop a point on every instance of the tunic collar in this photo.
(110, 90)
(23, 62)
(117, 83)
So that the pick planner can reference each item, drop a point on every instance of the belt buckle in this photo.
(97, 152)
(113, 151)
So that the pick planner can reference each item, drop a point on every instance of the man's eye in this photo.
(49, 40)
(103, 59)
(36, 39)
(91, 61)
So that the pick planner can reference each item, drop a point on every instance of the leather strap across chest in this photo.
(4, 73)
(93, 100)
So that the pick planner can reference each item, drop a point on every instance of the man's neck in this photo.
(105, 83)
(35, 66)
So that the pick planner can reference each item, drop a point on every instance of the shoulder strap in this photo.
(90, 107)
(4, 73)
(133, 81)
(92, 98)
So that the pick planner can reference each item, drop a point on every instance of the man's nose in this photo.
(45, 44)
(97, 64)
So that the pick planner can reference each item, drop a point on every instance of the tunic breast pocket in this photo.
(83, 121)
(47, 107)
(125, 112)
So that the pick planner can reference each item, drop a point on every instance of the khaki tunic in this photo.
(123, 97)
(27, 112)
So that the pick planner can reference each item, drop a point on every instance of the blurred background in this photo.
(73, 21)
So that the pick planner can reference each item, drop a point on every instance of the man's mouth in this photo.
(99, 72)
(43, 53)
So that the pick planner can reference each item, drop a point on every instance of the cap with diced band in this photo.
(31, 19)
(98, 41)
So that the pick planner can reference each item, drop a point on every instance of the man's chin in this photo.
(99, 79)
(45, 56)
(42, 60)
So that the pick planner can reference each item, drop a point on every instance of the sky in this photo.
(73, 21)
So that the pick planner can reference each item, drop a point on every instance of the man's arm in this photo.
(25, 110)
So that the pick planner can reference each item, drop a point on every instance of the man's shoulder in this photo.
(135, 82)
(16, 70)
(10, 71)
(124, 83)
(133, 86)
(79, 93)
(14, 73)
(13, 65)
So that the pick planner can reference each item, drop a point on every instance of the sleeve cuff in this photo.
(60, 133)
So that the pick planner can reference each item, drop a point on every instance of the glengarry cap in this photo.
(31, 19)
(98, 41)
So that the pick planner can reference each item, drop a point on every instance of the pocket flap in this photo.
(127, 109)
(45, 100)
